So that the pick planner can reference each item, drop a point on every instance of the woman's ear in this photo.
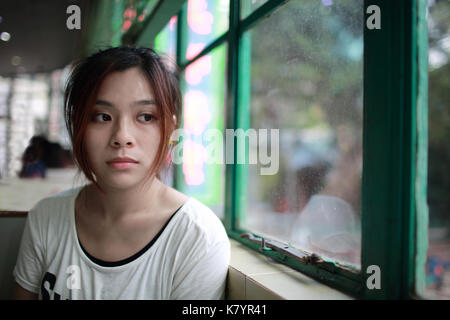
(174, 118)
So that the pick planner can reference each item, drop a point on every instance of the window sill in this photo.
(253, 276)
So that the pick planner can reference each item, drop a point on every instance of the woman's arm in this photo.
(22, 294)
(27, 272)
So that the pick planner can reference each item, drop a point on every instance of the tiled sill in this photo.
(253, 276)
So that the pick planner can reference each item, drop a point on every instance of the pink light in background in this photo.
(196, 71)
(193, 49)
(198, 18)
(194, 156)
(200, 68)
(172, 23)
(129, 14)
(126, 25)
(196, 114)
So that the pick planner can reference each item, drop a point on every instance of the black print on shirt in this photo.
(50, 280)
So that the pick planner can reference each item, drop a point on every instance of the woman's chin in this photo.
(121, 183)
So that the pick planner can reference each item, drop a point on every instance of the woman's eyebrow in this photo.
(143, 102)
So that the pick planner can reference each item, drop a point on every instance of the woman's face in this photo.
(125, 123)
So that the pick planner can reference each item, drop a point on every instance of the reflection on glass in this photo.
(438, 255)
(204, 112)
(307, 81)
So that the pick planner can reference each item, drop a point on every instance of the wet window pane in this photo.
(307, 81)
(438, 255)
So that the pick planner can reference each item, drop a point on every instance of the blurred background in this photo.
(36, 48)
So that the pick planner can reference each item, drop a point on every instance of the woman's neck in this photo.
(118, 204)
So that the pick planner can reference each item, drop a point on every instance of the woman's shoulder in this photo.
(200, 222)
(59, 202)
(197, 210)
(61, 196)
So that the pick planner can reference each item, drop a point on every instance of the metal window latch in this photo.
(295, 254)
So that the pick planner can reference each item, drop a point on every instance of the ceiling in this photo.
(39, 38)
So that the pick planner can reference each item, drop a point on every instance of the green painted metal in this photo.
(327, 273)
(218, 81)
(216, 43)
(99, 26)
(181, 57)
(118, 8)
(422, 149)
(181, 35)
(243, 111)
(408, 240)
(388, 218)
(231, 171)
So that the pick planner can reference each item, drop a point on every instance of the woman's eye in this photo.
(146, 117)
(102, 117)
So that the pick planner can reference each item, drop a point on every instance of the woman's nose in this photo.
(122, 135)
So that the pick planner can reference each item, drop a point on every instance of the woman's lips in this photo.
(122, 164)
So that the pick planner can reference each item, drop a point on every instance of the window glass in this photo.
(438, 255)
(307, 82)
(202, 173)
(206, 20)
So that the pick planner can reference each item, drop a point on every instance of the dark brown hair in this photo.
(83, 85)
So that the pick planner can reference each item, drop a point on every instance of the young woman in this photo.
(126, 235)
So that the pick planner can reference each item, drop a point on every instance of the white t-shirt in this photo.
(187, 260)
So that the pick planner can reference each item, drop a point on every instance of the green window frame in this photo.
(394, 208)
